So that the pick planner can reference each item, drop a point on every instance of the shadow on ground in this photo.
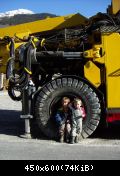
(111, 131)
(11, 124)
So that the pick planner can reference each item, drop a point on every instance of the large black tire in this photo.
(50, 96)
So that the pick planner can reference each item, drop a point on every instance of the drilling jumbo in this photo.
(69, 56)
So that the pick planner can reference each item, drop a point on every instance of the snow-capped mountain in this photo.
(15, 12)
(21, 16)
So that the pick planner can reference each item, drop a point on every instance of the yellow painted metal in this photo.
(4, 55)
(22, 35)
(111, 44)
(26, 29)
(44, 25)
(92, 73)
(93, 53)
(115, 6)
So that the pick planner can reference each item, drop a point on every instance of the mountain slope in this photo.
(21, 16)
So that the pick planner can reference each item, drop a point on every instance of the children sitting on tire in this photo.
(69, 120)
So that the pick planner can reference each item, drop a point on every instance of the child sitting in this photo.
(63, 120)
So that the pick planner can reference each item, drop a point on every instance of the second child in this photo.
(77, 117)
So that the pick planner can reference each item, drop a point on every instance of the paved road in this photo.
(104, 146)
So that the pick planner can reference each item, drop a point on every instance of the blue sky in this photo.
(58, 7)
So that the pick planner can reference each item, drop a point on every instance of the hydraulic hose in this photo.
(10, 73)
(18, 83)
(12, 94)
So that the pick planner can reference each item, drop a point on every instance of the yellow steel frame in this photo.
(26, 29)
(111, 45)
(115, 6)
(44, 25)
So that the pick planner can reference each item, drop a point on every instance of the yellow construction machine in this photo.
(68, 56)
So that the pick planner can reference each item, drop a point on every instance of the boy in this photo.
(63, 119)
(77, 116)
